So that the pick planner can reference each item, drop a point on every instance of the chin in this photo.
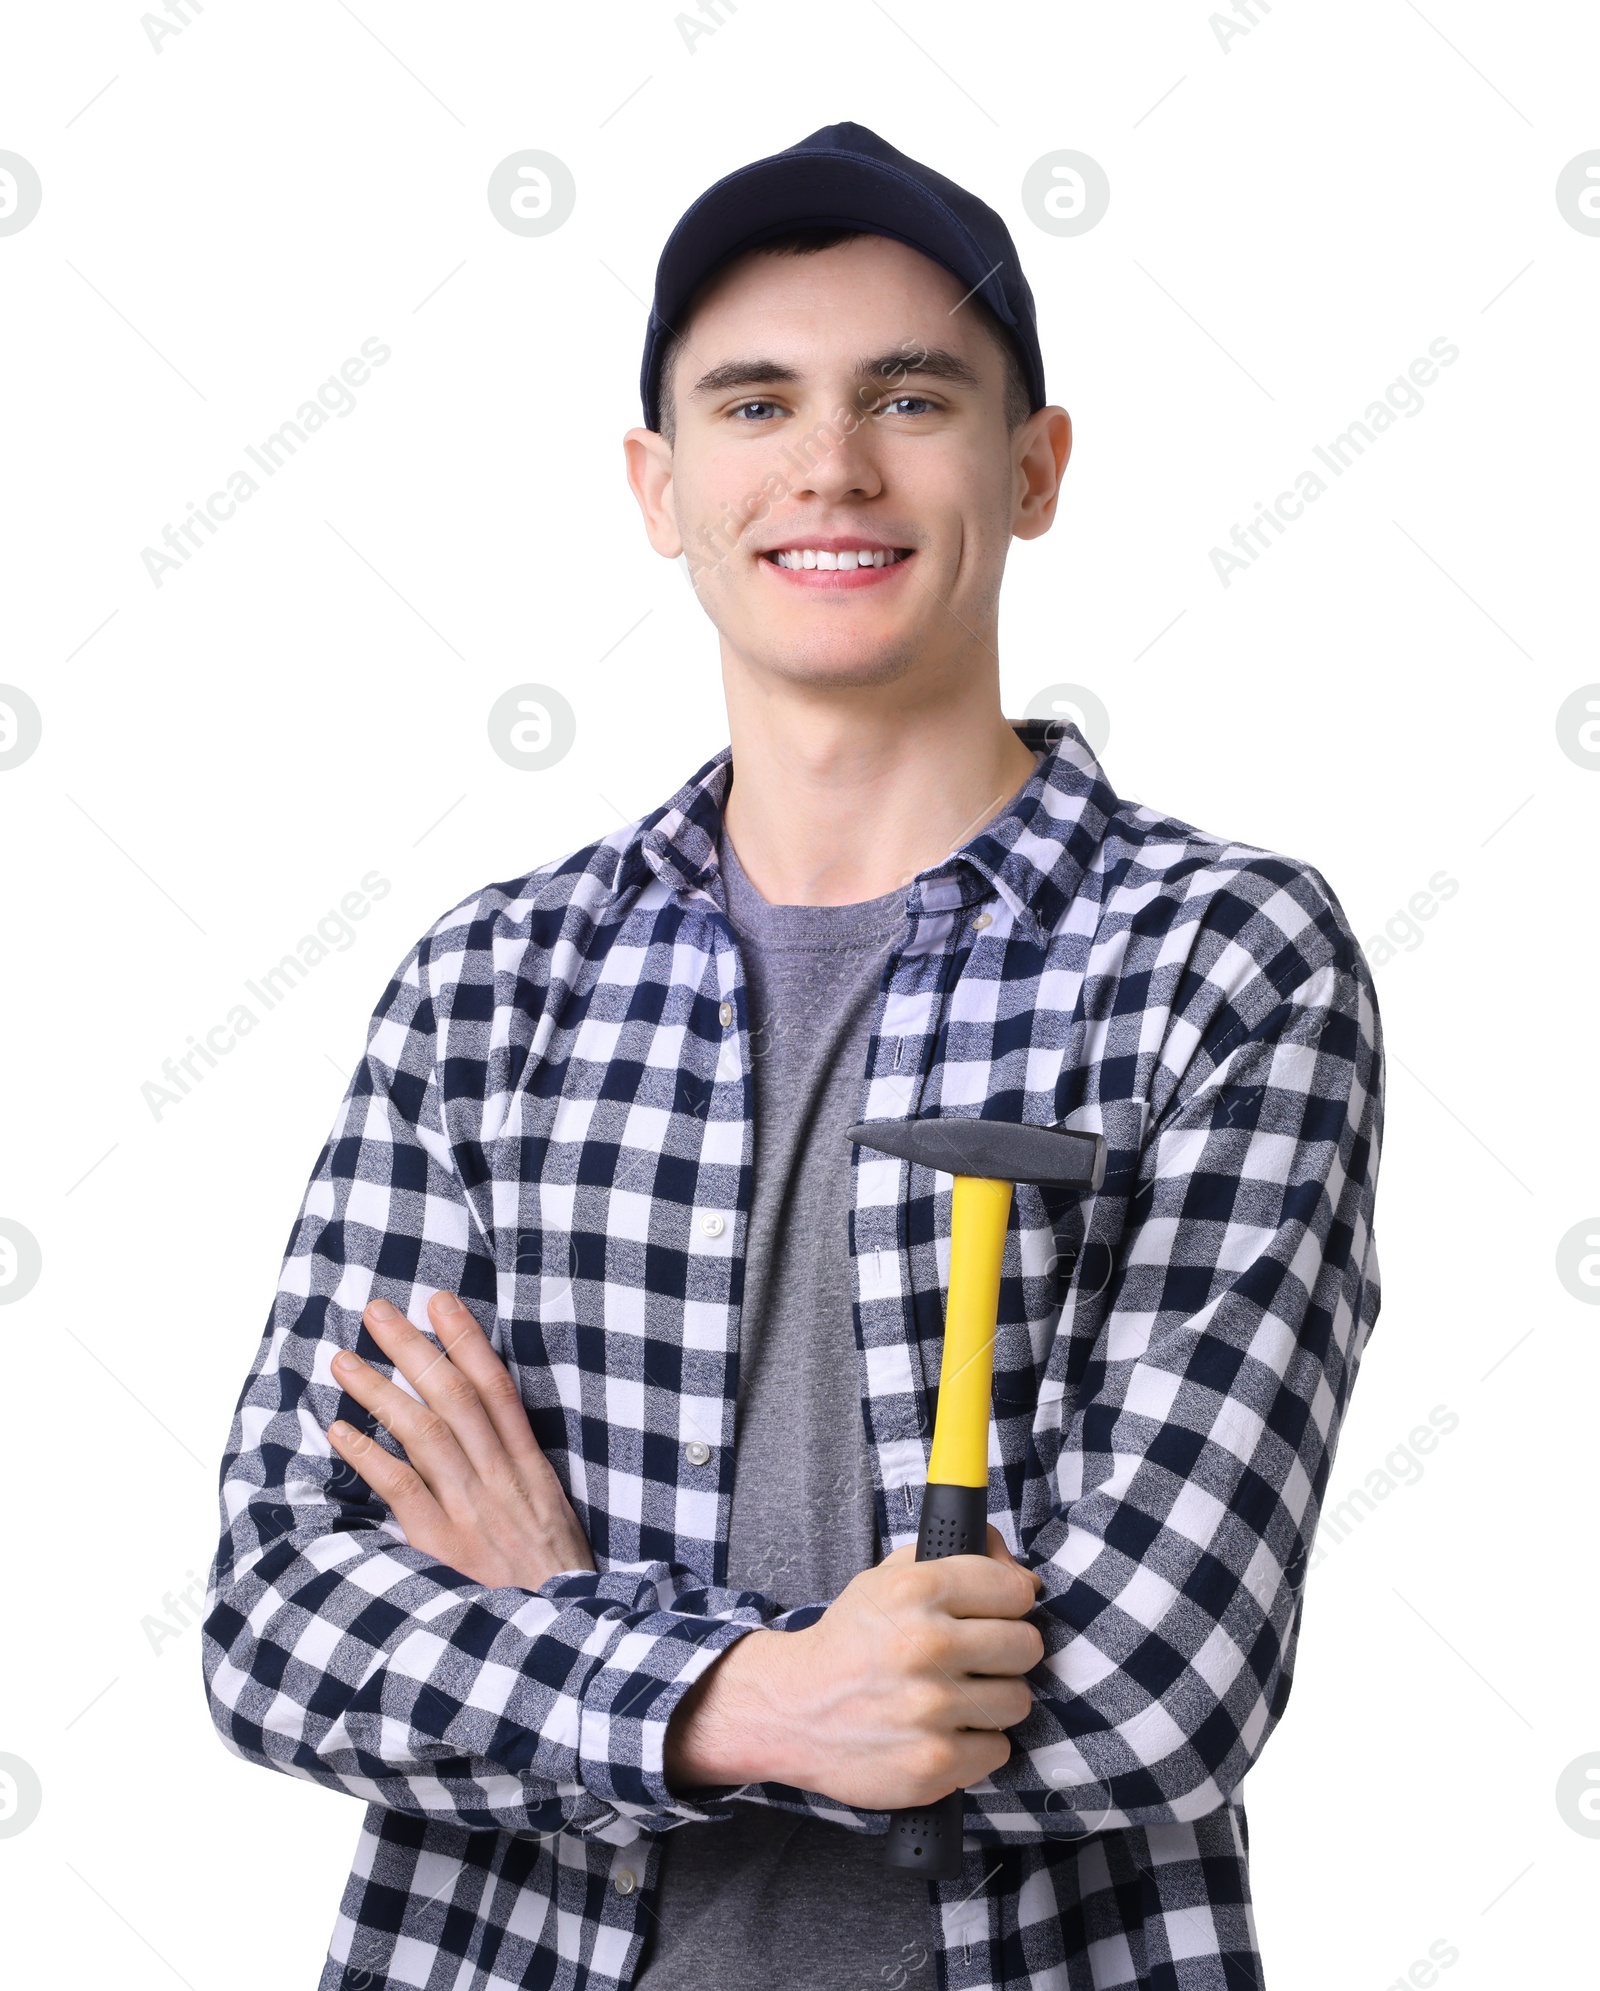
(831, 666)
(837, 656)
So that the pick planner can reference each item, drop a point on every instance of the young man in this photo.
(568, 1505)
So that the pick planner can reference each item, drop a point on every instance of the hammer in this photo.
(986, 1157)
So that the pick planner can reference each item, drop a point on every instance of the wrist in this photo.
(730, 1726)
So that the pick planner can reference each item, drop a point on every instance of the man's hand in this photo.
(895, 1696)
(477, 1493)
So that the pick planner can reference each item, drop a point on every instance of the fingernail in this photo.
(343, 1361)
(338, 1428)
(381, 1310)
(450, 1303)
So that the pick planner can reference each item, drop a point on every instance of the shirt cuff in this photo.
(642, 1660)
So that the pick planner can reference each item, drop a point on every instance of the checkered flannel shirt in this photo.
(554, 1102)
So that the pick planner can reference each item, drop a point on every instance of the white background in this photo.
(1293, 219)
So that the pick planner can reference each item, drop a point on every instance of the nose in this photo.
(840, 462)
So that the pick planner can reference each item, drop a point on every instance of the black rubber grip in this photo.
(926, 1839)
(954, 1521)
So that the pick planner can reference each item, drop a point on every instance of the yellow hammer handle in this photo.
(979, 1211)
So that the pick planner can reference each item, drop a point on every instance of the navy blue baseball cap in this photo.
(843, 176)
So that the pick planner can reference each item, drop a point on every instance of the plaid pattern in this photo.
(554, 1100)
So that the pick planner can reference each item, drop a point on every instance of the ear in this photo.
(649, 459)
(1042, 445)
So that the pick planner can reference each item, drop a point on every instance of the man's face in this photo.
(840, 404)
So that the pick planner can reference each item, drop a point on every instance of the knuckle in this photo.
(499, 1389)
(431, 1428)
(376, 1461)
(925, 1705)
(903, 1585)
(505, 1485)
(934, 1649)
(455, 1388)
(934, 1765)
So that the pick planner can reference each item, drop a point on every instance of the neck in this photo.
(843, 794)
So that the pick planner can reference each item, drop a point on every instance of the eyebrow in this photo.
(929, 362)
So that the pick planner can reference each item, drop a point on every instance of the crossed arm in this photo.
(447, 1649)
(900, 1692)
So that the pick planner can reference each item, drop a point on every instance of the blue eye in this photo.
(899, 401)
(745, 406)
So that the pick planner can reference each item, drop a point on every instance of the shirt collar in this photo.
(677, 843)
(1033, 855)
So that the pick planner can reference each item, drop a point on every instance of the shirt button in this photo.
(725, 1014)
(697, 1452)
(983, 920)
(625, 1883)
(713, 1226)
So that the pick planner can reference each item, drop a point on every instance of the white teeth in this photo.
(810, 556)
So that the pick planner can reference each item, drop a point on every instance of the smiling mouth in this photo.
(796, 559)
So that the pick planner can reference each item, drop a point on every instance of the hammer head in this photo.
(1002, 1149)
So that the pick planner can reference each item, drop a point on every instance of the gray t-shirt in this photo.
(770, 1898)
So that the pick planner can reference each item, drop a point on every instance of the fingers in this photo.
(1009, 1646)
(519, 1455)
(468, 1348)
(997, 1550)
(995, 1553)
(980, 1754)
(430, 1443)
(943, 1701)
(990, 1704)
(394, 1482)
(448, 1393)
(973, 1586)
(971, 1672)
